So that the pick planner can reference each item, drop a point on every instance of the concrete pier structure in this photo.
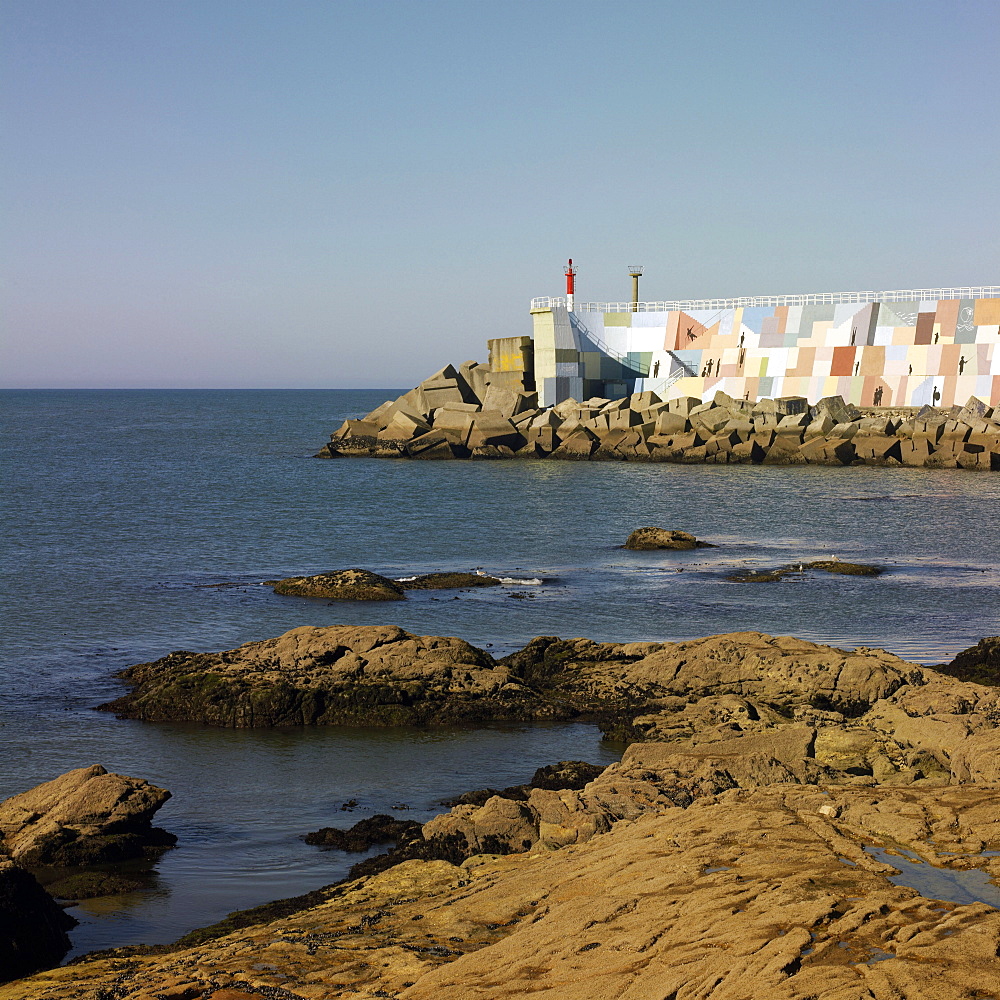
(912, 347)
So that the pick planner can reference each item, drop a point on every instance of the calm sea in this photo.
(122, 506)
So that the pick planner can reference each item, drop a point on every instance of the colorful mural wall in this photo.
(899, 353)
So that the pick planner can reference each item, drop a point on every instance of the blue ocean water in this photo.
(122, 508)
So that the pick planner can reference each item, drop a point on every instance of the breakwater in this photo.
(911, 347)
(491, 412)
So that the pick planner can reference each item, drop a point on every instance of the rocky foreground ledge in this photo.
(473, 412)
(749, 846)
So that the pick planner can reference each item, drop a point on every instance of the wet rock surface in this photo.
(84, 817)
(449, 581)
(32, 926)
(92, 885)
(492, 412)
(980, 663)
(837, 567)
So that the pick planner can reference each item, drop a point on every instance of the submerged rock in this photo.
(663, 538)
(341, 585)
(92, 885)
(448, 581)
(836, 566)
(32, 925)
(378, 829)
(84, 817)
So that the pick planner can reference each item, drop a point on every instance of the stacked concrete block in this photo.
(477, 412)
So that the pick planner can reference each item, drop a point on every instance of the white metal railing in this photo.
(769, 301)
(605, 348)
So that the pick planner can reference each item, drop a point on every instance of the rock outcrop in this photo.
(664, 538)
(84, 817)
(378, 829)
(481, 413)
(383, 675)
(370, 675)
(341, 585)
(980, 663)
(32, 926)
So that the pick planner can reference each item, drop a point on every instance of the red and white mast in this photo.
(570, 272)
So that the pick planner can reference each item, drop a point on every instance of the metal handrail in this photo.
(605, 348)
(770, 301)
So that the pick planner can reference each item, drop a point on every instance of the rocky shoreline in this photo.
(764, 830)
(475, 412)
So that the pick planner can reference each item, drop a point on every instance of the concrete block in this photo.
(607, 443)
(402, 427)
(671, 423)
(432, 445)
(492, 451)
(877, 449)
(455, 425)
(740, 425)
(547, 418)
(955, 430)
(785, 450)
(974, 409)
(382, 413)
(642, 400)
(945, 456)
(986, 440)
(928, 430)
(878, 425)
(683, 404)
(454, 408)
(511, 354)
(821, 426)
(692, 456)
(492, 427)
(833, 407)
(793, 422)
(845, 430)
(710, 421)
(579, 446)
(622, 418)
(522, 421)
(981, 461)
(914, 451)
(477, 376)
(789, 405)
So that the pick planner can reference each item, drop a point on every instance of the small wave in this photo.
(513, 581)
(404, 579)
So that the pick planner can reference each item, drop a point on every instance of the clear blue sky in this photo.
(330, 193)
